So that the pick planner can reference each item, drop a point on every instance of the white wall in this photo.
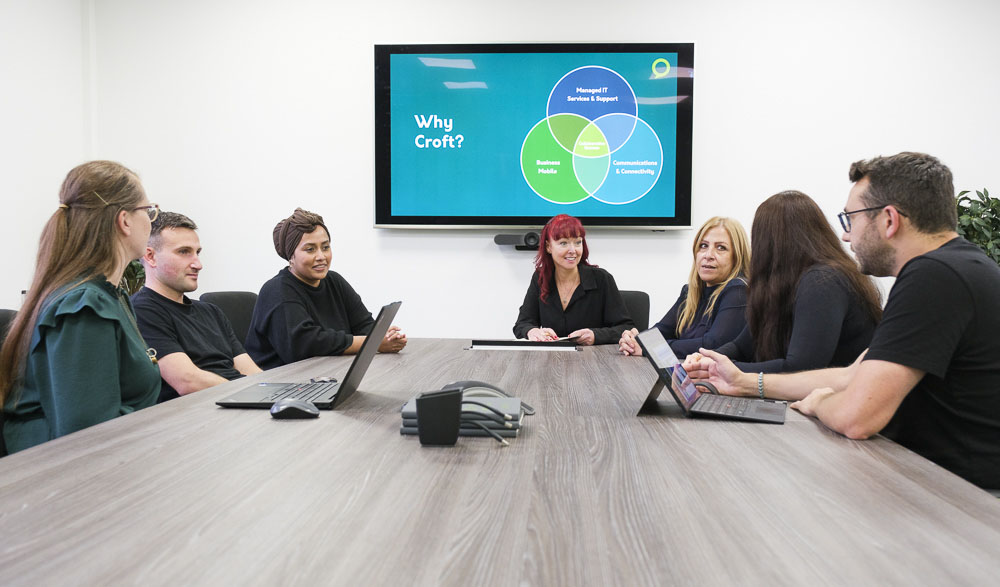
(234, 112)
(43, 129)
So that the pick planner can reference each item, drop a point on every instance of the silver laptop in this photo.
(693, 402)
(325, 395)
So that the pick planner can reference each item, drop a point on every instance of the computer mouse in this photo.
(289, 409)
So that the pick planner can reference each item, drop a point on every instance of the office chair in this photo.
(637, 304)
(6, 318)
(237, 306)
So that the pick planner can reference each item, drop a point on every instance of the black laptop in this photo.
(693, 402)
(325, 395)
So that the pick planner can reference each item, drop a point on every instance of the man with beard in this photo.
(930, 379)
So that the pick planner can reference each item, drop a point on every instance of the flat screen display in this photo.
(511, 135)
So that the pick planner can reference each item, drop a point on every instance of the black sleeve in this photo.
(529, 315)
(740, 349)
(727, 322)
(357, 314)
(730, 315)
(668, 324)
(928, 310)
(822, 298)
(616, 318)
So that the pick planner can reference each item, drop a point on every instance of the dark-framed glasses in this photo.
(845, 216)
(153, 210)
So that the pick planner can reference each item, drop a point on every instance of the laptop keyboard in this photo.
(723, 405)
(305, 391)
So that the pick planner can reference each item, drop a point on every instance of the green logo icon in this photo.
(657, 72)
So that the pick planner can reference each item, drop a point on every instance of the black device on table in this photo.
(294, 409)
(693, 402)
(324, 395)
(472, 389)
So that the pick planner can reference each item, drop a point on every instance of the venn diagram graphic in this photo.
(592, 142)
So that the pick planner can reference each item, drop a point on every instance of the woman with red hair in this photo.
(567, 295)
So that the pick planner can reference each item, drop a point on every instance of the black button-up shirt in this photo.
(596, 304)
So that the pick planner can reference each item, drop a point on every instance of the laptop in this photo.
(693, 402)
(324, 395)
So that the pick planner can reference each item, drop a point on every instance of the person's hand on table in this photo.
(584, 336)
(696, 366)
(393, 342)
(542, 334)
(628, 345)
(720, 372)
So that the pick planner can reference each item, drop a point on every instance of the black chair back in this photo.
(6, 319)
(637, 304)
(237, 306)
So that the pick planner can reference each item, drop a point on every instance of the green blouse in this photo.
(86, 364)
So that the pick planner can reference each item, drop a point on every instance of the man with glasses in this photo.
(194, 341)
(930, 379)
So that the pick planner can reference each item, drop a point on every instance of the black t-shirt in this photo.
(830, 327)
(943, 317)
(198, 329)
(293, 320)
(596, 304)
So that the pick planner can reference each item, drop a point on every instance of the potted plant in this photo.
(133, 278)
(979, 221)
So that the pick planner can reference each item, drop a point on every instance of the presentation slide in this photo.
(534, 134)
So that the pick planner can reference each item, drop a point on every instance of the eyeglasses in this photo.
(153, 210)
(845, 216)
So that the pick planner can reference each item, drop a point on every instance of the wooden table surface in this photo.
(588, 494)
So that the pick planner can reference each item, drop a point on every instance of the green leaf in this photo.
(979, 221)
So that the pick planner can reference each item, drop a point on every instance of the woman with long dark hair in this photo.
(567, 296)
(711, 309)
(809, 305)
(74, 356)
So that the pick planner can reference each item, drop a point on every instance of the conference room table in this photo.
(588, 494)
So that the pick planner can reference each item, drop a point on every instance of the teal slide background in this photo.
(484, 177)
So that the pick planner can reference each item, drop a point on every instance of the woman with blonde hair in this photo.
(74, 356)
(711, 308)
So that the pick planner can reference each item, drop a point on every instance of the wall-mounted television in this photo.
(509, 135)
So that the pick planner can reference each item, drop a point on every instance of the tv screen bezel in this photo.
(383, 147)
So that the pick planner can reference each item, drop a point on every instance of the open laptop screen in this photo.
(659, 349)
(684, 388)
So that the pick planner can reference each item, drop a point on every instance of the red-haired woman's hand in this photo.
(584, 336)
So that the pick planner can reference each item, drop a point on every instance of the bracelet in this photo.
(760, 384)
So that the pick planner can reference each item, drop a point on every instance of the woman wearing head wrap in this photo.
(306, 310)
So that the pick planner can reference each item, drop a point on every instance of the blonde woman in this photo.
(74, 356)
(711, 308)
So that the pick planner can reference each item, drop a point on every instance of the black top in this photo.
(198, 329)
(943, 317)
(596, 304)
(294, 321)
(830, 327)
(723, 324)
